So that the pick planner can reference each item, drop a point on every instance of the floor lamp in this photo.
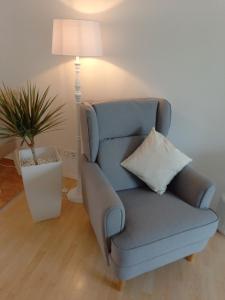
(77, 38)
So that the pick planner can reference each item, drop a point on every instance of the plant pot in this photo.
(42, 183)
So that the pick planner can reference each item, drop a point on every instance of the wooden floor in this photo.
(60, 260)
(10, 182)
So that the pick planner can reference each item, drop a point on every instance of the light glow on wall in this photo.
(90, 6)
(103, 80)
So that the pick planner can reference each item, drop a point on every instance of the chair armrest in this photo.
(193, 188)
(105, 209)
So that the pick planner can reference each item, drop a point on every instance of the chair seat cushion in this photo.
(156, 225)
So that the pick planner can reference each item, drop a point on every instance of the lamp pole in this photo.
(75, 194)
(77, 81)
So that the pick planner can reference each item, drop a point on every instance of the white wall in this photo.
(173, 49)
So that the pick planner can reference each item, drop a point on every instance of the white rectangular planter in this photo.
(43, 184)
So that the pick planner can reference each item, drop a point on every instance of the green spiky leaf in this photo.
(26, 113)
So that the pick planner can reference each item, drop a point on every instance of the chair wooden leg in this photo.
(190, 258)
(119, 285)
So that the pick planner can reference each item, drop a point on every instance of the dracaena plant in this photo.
(26, 113)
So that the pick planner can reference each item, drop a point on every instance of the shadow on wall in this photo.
(212, 163)
(26, 29)
(31, 31)
(137, 38)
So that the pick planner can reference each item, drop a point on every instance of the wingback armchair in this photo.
(137, 229)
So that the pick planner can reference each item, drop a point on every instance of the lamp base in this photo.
(74, 195)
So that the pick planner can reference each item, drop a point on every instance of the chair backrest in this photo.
(111, 131)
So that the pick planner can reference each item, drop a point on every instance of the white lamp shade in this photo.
(76, 38)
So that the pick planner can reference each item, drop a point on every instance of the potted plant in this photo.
(26, 113)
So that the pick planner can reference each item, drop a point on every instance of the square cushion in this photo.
(156, 161)
(157, 225)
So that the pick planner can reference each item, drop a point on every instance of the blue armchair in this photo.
(138, 230)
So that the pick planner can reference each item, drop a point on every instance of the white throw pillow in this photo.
(156, 161)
